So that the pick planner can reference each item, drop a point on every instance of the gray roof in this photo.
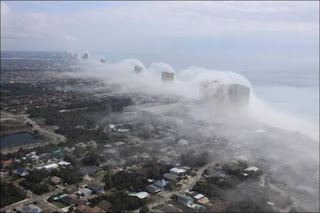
(184, 198)
(152, 189)
(161, 183)
(170, 177)
(30, 209)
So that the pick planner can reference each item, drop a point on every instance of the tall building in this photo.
(167, 76)
(138, 69)
(85, 56)
(103, 60)
(224, 94)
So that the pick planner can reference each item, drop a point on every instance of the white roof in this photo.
(270, 203)
(51, 166)
(252, 168)
(199, 196)
(142, 195)
(64, 163)
(84, 190)
(111, 126)
(177, 170)
(183, 142)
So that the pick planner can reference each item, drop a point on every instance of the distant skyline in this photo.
(223, 35)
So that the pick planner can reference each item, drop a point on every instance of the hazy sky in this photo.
(227, 35)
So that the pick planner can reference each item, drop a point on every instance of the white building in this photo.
(177, 171)
(49, 167)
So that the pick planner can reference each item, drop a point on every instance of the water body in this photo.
(19, 139)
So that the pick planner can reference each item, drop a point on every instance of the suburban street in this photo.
(166, 195)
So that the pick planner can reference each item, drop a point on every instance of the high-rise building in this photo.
(85, 56)
(138, 69)
(224, 94)
(167, 76)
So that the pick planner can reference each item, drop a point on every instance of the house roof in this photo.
(51, 166)
(198, 196)
(85, 190)
(177, 170)
(7, 162)
(153, 189)
(63, 163)
(183, 197)
(30, 209)
(141, 195)
(95, 186)
(252, 168)
(161, 183)
(21, 172)
(170, 177)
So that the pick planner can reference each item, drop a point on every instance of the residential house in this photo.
(7, 162)
(51, 166)
(183, 200)
(153, 189)
(161, 183)
(21, 172)
(177, 171)
(140, 195)
(64, 163)
(30, 209)
(96, 188)
(170, 177)
(85, 191)
(32, 156)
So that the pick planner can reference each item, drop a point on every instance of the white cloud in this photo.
(139, 23)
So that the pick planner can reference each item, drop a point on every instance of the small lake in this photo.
(18, 139)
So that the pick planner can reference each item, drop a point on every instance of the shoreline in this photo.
(48, 136)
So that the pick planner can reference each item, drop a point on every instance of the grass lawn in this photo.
(19, 180)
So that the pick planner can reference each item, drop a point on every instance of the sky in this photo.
(241, 35)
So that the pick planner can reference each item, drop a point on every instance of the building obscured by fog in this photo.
(138, 69)
(224, 94)
(85, 56)
(167, 76)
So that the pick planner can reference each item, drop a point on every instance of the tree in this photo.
(108, 181)
(10, 194)
(144, 209)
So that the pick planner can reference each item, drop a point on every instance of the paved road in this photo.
(166, 195)
(56, 137)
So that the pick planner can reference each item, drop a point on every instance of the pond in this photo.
(19, 139)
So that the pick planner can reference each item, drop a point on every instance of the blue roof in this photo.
(21, 171)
